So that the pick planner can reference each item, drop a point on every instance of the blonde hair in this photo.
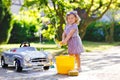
(78, 19)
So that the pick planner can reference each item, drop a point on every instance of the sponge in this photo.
(73, 73)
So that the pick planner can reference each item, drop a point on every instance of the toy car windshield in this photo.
(22, 49)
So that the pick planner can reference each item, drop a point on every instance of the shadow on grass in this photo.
(62, 52)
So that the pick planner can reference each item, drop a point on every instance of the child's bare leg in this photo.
(78, 61)
(71, 54)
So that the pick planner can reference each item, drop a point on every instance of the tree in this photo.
(92, 11)
(5, 21)
(110, 28)
(112, 15)
(88, 11)
(25, 26)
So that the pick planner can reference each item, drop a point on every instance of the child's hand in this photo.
(64, 42)
(60, 43)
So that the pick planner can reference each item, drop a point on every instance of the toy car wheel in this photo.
(18, 67)
(3, 63)
(46, 67)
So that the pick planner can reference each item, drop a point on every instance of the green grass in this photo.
(98, 46)
(52, 47)
(44, 46)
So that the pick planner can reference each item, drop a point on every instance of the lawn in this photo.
(98, 46)
(52, 47)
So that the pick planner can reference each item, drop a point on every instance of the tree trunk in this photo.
(82, 29)
(112, 32)
(107, 35)
(85, 21)
(5, 22)
(59, 31)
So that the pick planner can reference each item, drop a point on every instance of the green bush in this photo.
(117, 32)
(94, 33)
(5, 21)
(23, 31)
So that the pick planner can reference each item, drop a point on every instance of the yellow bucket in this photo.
(65, 63)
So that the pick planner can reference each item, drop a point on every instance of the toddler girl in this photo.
(71, 37)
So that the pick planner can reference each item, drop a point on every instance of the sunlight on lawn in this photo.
(88, 46)
(52, 48)
(98, 46)
(37, 45)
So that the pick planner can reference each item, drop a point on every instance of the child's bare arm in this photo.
(63, 36)
(69, 36)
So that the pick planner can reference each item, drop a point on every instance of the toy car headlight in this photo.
(50, 56)
(27, 58)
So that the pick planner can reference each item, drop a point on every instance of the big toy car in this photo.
(25, 58)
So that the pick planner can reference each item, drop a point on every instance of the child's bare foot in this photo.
(79, 69)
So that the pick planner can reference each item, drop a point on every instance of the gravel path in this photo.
(98, 65)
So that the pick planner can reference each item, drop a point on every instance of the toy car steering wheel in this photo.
(25, 44)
